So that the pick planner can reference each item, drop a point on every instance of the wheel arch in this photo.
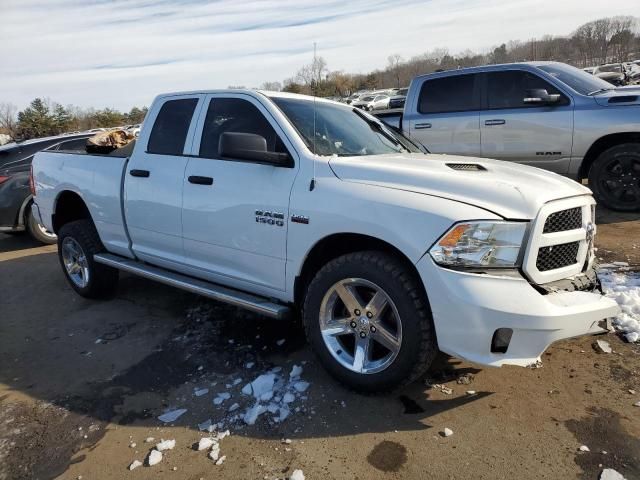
(602, 144)
(68, 206)
(336, 245)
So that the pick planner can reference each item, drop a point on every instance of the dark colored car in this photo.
(397, 100)
(15, 195)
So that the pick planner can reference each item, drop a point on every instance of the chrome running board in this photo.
(237, 298)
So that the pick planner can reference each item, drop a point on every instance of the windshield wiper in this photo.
(600, 90)
(380, 129)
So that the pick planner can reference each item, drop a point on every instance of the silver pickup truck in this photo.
(545, 114)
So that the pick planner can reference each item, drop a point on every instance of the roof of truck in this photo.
(251, 92)
(485, 68)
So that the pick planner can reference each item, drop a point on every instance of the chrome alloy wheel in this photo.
(45, 232)
(75, 262)
(360, 325)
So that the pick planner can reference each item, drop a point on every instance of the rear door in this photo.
(154, 181)
(235, 211)
(538, 135)
(448, 115)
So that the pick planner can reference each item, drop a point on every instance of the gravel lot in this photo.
(82, 381)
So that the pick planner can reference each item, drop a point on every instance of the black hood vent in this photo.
(625, 99)
(469, 167)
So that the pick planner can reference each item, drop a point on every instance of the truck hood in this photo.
(629, 95)
(508, 189)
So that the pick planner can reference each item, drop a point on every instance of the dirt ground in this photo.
(82, 381)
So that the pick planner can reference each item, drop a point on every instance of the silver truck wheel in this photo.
(75, 262)
(364, 336)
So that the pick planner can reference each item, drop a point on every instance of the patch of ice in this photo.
(624, 288)
(584, 448)
(214, 454)
(234, 407)
(172, 416)
(205, 443)
(236, 381)
(202, 391)
(280, 342)
(252, 414)
(447, 432)
(602, 346)
(165, 445)
(249, 365)
(296, 371)
(610, 474)
(154, 458)
(206, 425)
(261, 385)
(297, 475)
(221, 397)
(221, 460)
(301, 386)
(135, 464)
(149, 440)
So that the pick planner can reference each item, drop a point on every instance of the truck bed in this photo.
(96, 178)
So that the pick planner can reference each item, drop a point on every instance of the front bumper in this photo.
(468, 308)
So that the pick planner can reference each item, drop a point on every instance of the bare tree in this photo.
(8, 119)
(271, 86)
(394, 64)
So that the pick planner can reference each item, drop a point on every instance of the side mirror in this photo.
(540, 96)
(251, 147)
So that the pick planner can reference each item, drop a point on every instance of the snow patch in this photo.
(135, 464)
(624, 287)
(165, 445)
(154, 458)
(172, 416)
(611, 474)
(297, 475)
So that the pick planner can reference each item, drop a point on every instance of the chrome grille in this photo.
(557, 256)
(563, 220)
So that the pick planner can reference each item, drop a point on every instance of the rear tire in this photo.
(37, 231)
(614, 177)
(78, 242)
(396, 343)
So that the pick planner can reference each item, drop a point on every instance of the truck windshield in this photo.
(576, 79)
(342, 130)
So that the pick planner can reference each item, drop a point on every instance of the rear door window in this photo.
(509, 88)
(457, 93)
(170, 129)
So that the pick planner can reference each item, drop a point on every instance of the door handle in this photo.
(198, 180)
(420, 126)
(497, 121)
(139, 173)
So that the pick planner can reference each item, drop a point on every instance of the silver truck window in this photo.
(238, 116)
(341, 130)
(508, 89)
(455, 93)
(171, 126)
(576, 79)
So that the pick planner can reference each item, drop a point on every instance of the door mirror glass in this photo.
(249, 146)
(540, 96)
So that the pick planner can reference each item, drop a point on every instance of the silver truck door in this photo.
(526, 131)
(446, 116)
(154, 181)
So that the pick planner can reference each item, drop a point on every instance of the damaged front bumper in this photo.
(504, 320)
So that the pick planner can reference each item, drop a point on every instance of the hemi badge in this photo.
(300, 219)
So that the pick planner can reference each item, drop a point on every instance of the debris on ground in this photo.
(465, 379)
(154, 457)
(611, 474)
(470, 392)
(443, 388)
(135, 464)
(205, 443)
(602, 346)
(536, 364)
(637, 404)
(624, 287)
(221, 460)
(172, 416)
(149, 440)
(221, 397)
(201, 392)
(297, 475)
(165, 445)
(447, 432)
(584, 448)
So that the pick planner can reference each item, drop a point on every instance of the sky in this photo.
(117, 53)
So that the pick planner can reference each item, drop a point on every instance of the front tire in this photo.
(614, 177)
(367, 318)
(38, 232)
(78, 242)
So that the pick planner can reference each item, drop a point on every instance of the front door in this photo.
(235, 211)
(537, 135)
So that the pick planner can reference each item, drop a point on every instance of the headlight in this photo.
(480, 244)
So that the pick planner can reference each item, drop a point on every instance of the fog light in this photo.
(500, 340)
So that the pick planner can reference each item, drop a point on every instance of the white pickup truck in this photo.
(280, 204)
